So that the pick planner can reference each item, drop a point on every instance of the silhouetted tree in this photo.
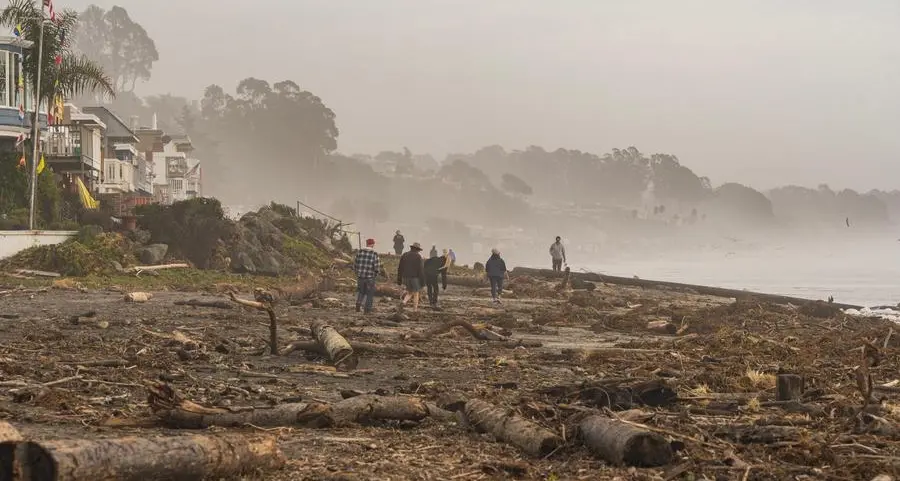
(515, 185)
(117, 43)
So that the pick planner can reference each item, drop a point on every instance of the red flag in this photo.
(58, 59)
(49, 5)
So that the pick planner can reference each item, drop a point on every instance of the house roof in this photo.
(17, 42)
(116, 127)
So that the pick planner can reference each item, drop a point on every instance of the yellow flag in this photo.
(40, 166)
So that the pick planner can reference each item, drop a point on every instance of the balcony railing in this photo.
(64, 140)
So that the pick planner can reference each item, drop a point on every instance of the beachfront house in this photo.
(12, 125)
(74, 146)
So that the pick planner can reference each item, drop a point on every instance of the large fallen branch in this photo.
(467, 281)
(615, 393)
(358, 347)
(620, 443)
(217, 303)
(510, 428)
(177, 412)
(478, 332)
(268, 309)
(139, 269)
(334, 345)
(142, 458)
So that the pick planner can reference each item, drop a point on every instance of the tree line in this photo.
(276, 141)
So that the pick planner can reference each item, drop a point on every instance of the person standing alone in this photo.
(399, 241)
(411, 274)
(367, 266)
(558, 254)
(495, 268)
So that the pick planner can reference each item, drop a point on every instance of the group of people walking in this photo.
(414, 272)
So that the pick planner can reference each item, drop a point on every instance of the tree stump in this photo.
(620, 443)
(333, 343)
(789, 387)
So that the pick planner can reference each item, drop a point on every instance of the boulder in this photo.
(241, 263)
(152, 254)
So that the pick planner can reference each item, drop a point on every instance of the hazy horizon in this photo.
(762, 93)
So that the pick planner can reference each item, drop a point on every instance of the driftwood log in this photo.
(334, 345)
(662, 327)
(358, 347)
(647, 283)
(217, 303)
(467, 281)
(618, 394)
(138, 297)
(177, 412)
(478, 332)
(620, 443)
(789, 387)
(265, 306)
(387, 289)
(508, 427)
(142, 458)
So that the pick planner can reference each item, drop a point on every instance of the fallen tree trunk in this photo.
(616, 394)
(620, 443)
(218, 303)
(333, 343)
(388, 290)
(479, 332)
(662, 327)
(141, 458)
(358, 347)
(704, 290)
(508, 427)
(176, 412)
(138, 297)
(140, 269)
(268, 309)
(369, 407)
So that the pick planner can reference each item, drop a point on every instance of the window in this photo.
(5, 87)
(110, 173)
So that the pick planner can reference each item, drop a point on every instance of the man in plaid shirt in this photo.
(367, 266)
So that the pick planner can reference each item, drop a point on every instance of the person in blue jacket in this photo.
(495, 268)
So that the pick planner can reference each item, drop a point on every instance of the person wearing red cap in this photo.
(367, 266)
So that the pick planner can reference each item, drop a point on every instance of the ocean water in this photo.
(861, 270)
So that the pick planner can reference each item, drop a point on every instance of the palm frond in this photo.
(78, 75)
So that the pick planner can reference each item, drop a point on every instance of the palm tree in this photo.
(75, 74)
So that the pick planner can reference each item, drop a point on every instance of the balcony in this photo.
(65, 151)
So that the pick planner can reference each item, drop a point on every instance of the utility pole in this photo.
(36, 120)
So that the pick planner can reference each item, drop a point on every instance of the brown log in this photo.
(662, 327)
(510, 428)
(218, 303)
(622, 393)
(358, 347)
(478, 332)
(651, 284)
(138, 297)
(369, 407)
(177, 412)
(388, 290)
(333, 343)
(620, 443)
(789, 387)
(141, 458)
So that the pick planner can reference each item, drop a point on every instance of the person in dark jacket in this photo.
(399, 241)
(411, 273)
(495, 268)
(435, 267)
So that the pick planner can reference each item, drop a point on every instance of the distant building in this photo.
(179, 176)
(74, 146)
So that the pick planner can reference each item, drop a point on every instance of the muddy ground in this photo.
(722, 363)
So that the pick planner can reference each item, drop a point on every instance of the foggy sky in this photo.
(764, 92)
